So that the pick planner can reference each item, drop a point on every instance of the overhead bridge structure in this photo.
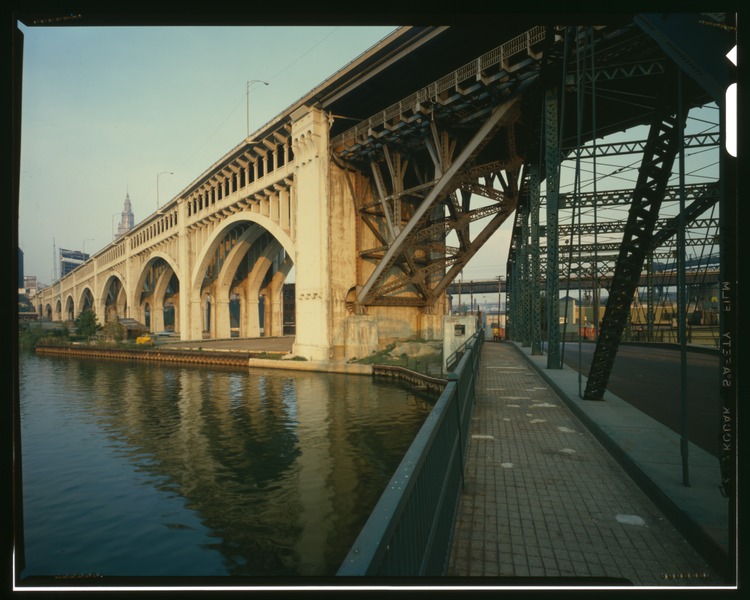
(380, 185)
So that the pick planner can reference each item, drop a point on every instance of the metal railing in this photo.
(502, 56)
(457, 355)
(410, 529)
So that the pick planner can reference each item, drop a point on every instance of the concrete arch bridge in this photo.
(376, 187)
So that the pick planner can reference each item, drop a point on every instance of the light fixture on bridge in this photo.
(247, 100)
(157, 185)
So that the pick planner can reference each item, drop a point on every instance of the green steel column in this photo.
(682, 286)
(510, 299)
(524, 276)
(650, 312)
(535, 260)
(515, 318)
(552, 167)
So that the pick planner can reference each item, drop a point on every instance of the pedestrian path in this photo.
(545, 503)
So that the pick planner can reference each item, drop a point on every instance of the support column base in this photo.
(312, 352)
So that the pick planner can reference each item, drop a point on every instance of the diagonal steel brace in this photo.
(443, 185)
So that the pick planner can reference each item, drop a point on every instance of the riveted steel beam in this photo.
(656, 168)
(400, 250)
(535, 260)
(552, 169)
(698, 140)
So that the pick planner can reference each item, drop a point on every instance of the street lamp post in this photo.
(460, 280)
(499, 297)
(157, 185)
(83, 244)
(247, 100)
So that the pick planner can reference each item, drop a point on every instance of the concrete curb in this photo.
(309, 365)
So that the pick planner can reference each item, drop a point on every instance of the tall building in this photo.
(71, 259)
(127, 220)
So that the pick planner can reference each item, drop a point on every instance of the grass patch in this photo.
(275, 356)
(266, 355)
(427, 364)
(382, 357)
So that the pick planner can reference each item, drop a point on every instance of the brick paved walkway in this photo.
(544, 499)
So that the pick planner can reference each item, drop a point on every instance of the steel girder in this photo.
(511, 301)
(535, 261)
(524, 332)
(698, 140)
(702, 195)
(656, 167)
(413, 263)
(665, 228)
(552, 169)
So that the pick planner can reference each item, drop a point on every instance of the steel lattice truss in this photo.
(413, 262)
(443, 162)
(450, 156)
(656, 167)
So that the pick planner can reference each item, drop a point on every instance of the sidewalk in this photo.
(545, 502)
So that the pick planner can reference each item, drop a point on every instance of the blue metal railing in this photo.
(457, 355)
(410, 529)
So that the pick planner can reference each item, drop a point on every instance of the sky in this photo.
(143, 111)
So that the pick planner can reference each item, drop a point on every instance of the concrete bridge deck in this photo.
(546, 503)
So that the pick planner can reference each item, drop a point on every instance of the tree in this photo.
(86, 323)
(114, 330)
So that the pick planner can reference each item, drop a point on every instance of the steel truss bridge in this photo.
(449, 164)
(497, 127)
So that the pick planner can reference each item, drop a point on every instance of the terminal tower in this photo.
(126, 217)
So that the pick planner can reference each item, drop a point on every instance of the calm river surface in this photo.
(150, 470)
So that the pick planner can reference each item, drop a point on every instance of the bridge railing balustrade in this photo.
(410, 531)
(203, 210)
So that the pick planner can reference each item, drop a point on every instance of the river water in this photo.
(138, 470)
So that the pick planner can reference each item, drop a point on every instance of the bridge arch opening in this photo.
(86, 301)
(70, 309)
(156, 295)
(114, 303)
(240, 278)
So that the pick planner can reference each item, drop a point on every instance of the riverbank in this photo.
(227, 357)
